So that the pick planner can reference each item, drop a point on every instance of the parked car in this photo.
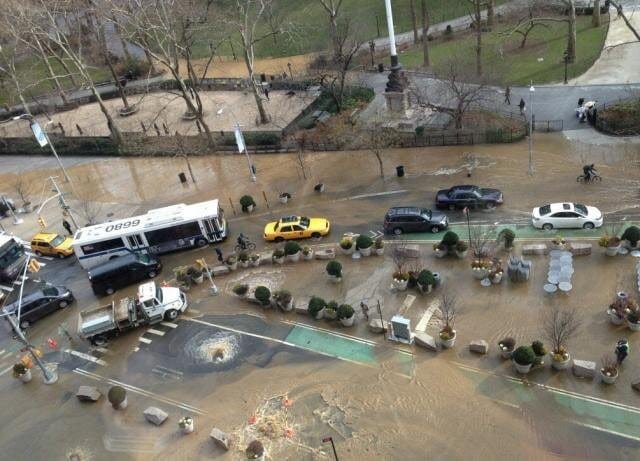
(39, 303)
(566, 215)
(400, 220)
(296, 227)
(120, 272)
(49, 244)
(468, 196)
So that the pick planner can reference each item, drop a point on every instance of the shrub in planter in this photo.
(291, 248)
(182, 277)
(364, 242)
(278, 256)
(243, 256)
(426, 281)
(283, 299)
(461, 249)
(507, 236)
(263, 295)
(231, 262)
(197, 276)
(254, 259)
(255, 450)
(609, 370)
(440, 249)
(307, 252)
(240, 289)
(507, 345)
(316, 307)
(346, 245)
(247, 203)
(633, 319)
(378, 246)
(334, 269)
(117, 397)
(538, 348)
(21, 372)
(345, 312)
(632, 235)
(525, 357)
(450, 239)
(331, 311)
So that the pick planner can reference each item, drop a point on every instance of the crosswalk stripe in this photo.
(155, 332)
(6, 370)
(88, 357)
(169, 324)
(144, 340)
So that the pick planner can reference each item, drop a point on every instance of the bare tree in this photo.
(448, 311)
(414, 21)
(183, 153)
(595, 18)
(476, 17)
(399, 257)
(621, 14)
(378, 137)
(571, 33)
(481, 242)
(22, 187)
(559, 325)
(491, 14)
(526, 24)
(425, 34)
(89, 210)
(332, 7)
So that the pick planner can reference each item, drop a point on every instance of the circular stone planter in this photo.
(188, 428)
(233, 267)
(278, 260)
(243, 264)
(497, 278)
(320, 314)
(198, 280)
(522, 369)
(448, 343)
(286, 307)
(347, 251)
(561, 365)
(127, 111)
(440, 253)
(612, 251)
(255, 263)
(400, 285)
(365, 251)
(614, 318)
(479, 274)
(633, 326)
(506, 353)
(283, 199)
(608, 379)
(122, 405)
(379, 251)
(294, 258)
(462, 254)
(26, 377)
(335, 279)
(348, 322)
(307, 257)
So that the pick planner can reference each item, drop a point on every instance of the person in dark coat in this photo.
(67, 226)
(521, 105)
(507, 95)
(219, 254)
(622, 350)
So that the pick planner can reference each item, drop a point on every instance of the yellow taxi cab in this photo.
(296, 227)
(51, 244)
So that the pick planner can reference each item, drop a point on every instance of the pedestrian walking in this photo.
(365, 310)
(67, 226)
(507, 95)
(219, 254)
(622, 350)
(266, 92)
(521, 105)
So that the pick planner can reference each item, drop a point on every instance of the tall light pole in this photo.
(532, 90)
(43, 138)
(396, 81)
(242, 146)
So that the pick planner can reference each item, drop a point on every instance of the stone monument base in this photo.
(397, 102)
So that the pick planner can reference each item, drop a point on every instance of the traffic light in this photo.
(34, 266)
(41, 222)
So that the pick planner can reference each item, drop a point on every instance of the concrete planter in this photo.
(614, 318)
(330, 314)
(561, 364)
(506, 353)
(522, 369)
(286, 307)
(243, 264)
(612, 251)
(294, 258)
(608, 379)
(198, 280)
(347, 251)
(335, 279)
(462, 254)
(187, 427)
(255, 263)
(122, 405)
(250, 208)
(283, 199)
(379, 251)
(497, 278)
(278, 260)
(233, 266)
(480, 274)
(26, 377)
(440, 253)
(400, 285)
(348, 322)
(448, 343)
(365, 251)
(633, 326)
(308, 257)
(425, 289)
(320, 314)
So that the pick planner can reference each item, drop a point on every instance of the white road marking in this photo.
(155, 332)
(84, 356)
(374, 194)
(144, 340)
(103, 350)
(6, 370)
(8, 354)
(194, 311)
(136, 349)
(324, 330)
(424, 320)
(169, 324)
(6, 288)
(137, 390)
(406, 304)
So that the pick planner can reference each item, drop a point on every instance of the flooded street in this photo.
(290, 380)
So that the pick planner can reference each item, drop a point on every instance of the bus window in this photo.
(105, 245)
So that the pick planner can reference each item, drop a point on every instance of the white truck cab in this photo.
(166, 302)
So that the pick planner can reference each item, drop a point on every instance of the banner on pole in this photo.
(39, 134)
(239, 139)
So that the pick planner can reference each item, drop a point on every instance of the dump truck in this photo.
(152, 304)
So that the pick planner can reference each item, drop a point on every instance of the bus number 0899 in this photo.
(123, 225)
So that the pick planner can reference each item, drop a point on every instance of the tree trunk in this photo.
(264, 117)
(333, 21)
(414, 21)
(123, 42)
(53, 76)
(105, 53)
(425, 34)
(596, 14)
(379, 159)
(491, 15)
(478, 38)
(63, 64)
(191, 108)
(571, 39)
(113, 128)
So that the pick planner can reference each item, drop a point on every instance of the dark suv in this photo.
(399, 220)
(40, 303)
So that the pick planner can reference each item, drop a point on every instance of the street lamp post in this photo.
(566, 65)
(531, 92)
(396, 82)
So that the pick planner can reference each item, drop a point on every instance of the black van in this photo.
(42, 301)
(122, 271)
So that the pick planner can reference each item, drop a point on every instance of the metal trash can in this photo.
(400, 171)
(380, 67)
(182, 177)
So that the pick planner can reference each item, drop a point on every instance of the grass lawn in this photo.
(34, 70)
(311, 24)
(539, 61)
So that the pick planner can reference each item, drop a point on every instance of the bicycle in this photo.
(244, 244)
(595, 177)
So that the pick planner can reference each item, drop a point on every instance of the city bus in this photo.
(161, 230)
(13, 257)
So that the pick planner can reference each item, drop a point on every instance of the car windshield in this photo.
(580, 209)
(545, 210)
(426, 214)
(57, 241)
(50, 291)
(304, 221)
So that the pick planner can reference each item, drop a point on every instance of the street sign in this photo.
(39, 134)
(239, 139)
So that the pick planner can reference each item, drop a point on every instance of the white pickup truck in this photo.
(153, 304)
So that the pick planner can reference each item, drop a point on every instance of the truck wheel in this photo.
(109, 290)
(100, 340)
(24, 324)
(201, 242)
(171, 314)
(151, 274)
(63, 303)
(60, 255)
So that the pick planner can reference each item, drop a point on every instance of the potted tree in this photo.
(346, 245)
(448, 311)
(186, 424)
(450, 240)
(523, 358)
(263, 295)
(117, 396)
(613, 246)
(346, 315)
(240, 290)
(243, 259)
(425, 281)
(283, 299)
(278, 256)
(506, 346)
(247, 203)
(378, 246)
(316, 307)
(364, 244)
(558, 242)
(633, 319)
(231, 262)
(197, 276)
(496, 272)
(507, 237)
(255, 450)
(440, 250)
(307, 253)
(284, 197)
(292, 251)
(183, 277)
(334, 269)
(21, 372)
(480, 268)
(630, 237)
(618, 310)
(400, 280)
(254, 259)
(331, 311)
(540, 351)
(609, 370)
(461, 249)
(559, 325)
